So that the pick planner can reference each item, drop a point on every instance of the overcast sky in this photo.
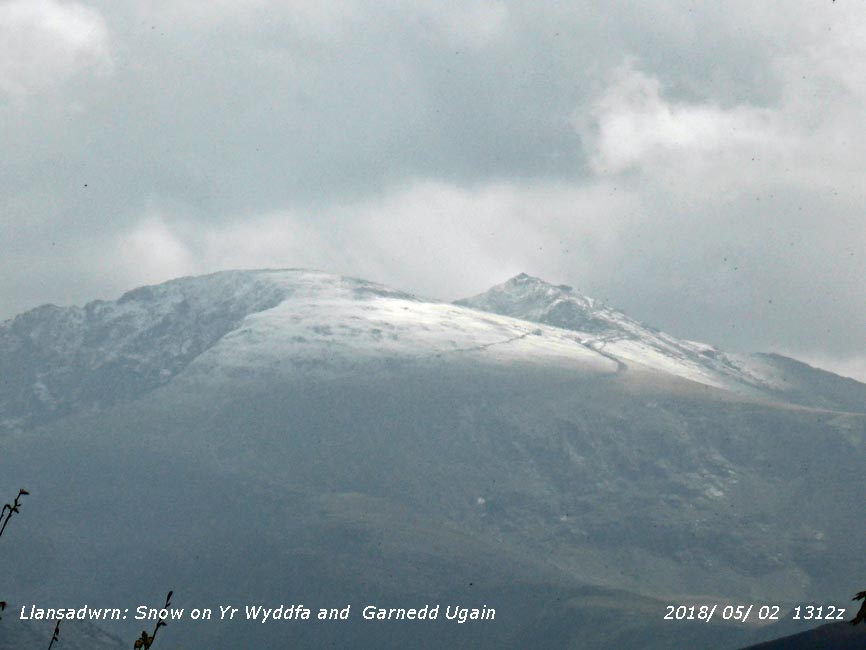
(701, 166)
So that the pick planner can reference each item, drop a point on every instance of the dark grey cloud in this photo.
(696, 165)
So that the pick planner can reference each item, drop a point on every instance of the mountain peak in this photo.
(531, 298)
(526, 280)
(608, 331)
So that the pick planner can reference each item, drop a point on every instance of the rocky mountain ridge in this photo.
(294, 436)
(67, 359)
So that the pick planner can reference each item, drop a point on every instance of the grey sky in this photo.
(699, 165)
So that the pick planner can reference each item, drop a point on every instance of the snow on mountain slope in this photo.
(619, 337)
(794, 381)
(328, 323)
(60, 360)
(266, 394)
(65, 359)
(56, 360)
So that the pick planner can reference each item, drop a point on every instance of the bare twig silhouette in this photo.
(6, 513)
(861, 615)
(10, 509)
(56, 635)
(146, 640)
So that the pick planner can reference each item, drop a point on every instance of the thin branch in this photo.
(10, 509)
(56, 635)
(145, 640)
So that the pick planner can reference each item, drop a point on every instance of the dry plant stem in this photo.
(10, 509)
(861, 615)
(144, 641)
(6, 514)
(56, 635)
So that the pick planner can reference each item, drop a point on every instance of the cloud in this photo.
(152, 252)
(427, 237)
(711, 185)
(807, 135)
(46, 42)
(635, 127)
(748, 211)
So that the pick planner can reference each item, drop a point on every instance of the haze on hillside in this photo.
(295, 436)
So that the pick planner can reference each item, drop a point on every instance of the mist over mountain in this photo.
(290, 436)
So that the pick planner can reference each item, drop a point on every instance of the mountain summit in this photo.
(531, 298)
(292, 436)
(639, 346)
(68, 359)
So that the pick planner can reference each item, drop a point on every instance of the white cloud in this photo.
(634, 127)
(436, 236)
(428, 237)
(151, 252)
(808, 137)
(725, 162)
(43, 42)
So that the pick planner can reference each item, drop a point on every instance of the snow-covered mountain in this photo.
(67, 359)
(79, 358)
(294, 436)
(614, 334)
(609, 331)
